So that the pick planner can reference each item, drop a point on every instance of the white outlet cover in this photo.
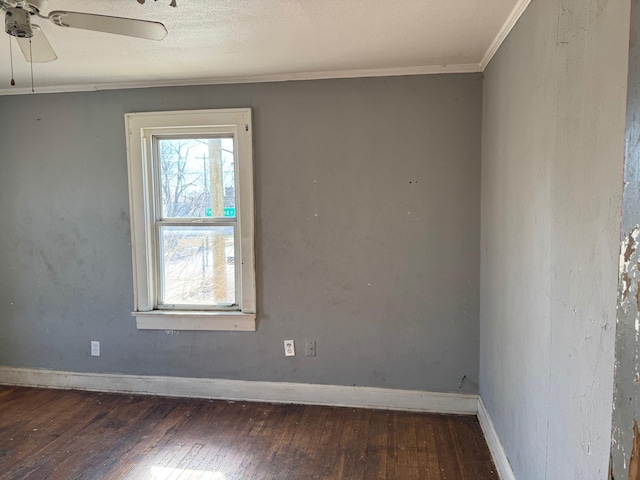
(95, 348)
(289, 348)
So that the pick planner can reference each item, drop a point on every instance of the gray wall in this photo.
(627, 382)
(553, 138)
(391, 297)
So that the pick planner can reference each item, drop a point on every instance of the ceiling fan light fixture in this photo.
(17, 22)
(172, 4)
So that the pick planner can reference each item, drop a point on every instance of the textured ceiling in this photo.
(215, 41)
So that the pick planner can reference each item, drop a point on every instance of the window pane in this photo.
(197, 266)
(197, 177)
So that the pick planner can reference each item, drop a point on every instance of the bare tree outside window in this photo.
(196, 177)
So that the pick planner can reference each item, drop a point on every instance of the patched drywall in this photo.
(367, 207)
(625, 443)
(552, 155)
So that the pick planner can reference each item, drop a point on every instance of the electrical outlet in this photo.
(289, 348)
(95, 348)
(311, 348)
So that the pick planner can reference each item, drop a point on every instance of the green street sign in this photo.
(209, 212)
(229, 212)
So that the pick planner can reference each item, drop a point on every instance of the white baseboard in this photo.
(273, 392)
(495, 445)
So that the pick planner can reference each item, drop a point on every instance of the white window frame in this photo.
(140, 130)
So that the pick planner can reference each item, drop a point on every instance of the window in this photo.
(191, 200)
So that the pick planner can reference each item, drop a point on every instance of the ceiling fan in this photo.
(33, 42)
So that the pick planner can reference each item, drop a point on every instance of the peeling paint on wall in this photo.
(629, 271)
(631, 245)
(625, 462)
(634, 463)
(626, 284)
(610, 477)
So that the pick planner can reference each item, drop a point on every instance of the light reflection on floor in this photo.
(166, 473)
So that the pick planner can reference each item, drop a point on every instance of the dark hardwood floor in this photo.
(69, 435)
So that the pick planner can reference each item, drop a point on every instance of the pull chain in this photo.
(13, 82)
(31, 62)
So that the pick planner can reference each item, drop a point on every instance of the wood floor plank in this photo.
(116, 431)
(469, 446)
(445, 446)
(345, 437)
(310, 440)
(355, 445)
(159, 439)
(46, 435)
(236, 450)
(408, 457)
(283, 461)
(428, 464)
(141, 443)
(330, 433)
(54, 434)
(376, 454)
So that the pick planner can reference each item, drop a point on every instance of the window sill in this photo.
(185, 320)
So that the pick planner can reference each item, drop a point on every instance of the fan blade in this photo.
(40, 49)
(103, 23)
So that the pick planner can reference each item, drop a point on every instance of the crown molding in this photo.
(286, 77)
(507, 26)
